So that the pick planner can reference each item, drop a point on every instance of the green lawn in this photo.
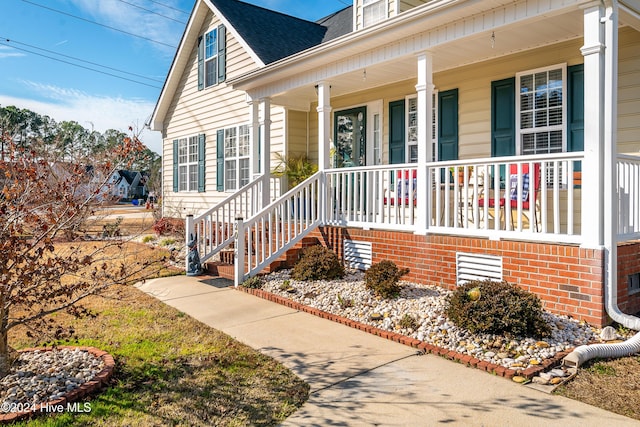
(174, 370)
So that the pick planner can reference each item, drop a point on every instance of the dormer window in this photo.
(212, 53)
(211, 58)
(373, 11)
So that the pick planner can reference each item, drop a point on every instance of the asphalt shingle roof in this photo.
(274, 35)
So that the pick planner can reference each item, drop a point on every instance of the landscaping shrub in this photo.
(497, 308)
(255, 282)
(169, 226)
(318, 263)
(382, 278)
(147, 239)
(112, 229)
(408, 322)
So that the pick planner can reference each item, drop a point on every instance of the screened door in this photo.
(350, 137)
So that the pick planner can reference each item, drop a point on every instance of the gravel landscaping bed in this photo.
(425, 304)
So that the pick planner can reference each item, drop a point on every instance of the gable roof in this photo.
(272, 35)
(267, 35)
(337, 24)
(129, 176)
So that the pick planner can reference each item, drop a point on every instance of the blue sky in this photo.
(67, 30)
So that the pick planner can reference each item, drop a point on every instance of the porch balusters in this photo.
(386, 197)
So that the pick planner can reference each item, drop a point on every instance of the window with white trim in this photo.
(541, 110)
(377, 140)
(237, 164)
(211, 58)
(412, 128)
(434, 128)
(373, 11)
(188, 164)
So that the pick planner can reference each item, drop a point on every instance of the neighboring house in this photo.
(126, 184)
(535, 102)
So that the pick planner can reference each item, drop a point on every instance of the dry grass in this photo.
(612, 384)
(173, 370)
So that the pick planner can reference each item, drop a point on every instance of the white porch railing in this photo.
(537, 198)
(267, 235)
(215, 229)
(628, 197)
(467, 197)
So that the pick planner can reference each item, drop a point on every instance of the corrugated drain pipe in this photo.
(586, 352)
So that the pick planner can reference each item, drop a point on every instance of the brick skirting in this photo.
(567, 278)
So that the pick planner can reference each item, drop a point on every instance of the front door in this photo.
(350, 137)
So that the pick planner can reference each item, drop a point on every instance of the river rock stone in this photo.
(608, 334)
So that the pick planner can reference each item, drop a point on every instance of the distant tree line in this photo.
(67, 140)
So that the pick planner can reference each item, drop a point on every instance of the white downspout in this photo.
(631, 346)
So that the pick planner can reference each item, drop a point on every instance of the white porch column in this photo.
(424, 88)
(593, 206)
(324, 142)
(265, 151)
(254, 132)
(324, 125)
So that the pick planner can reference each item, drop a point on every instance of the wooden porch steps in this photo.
(225, 268)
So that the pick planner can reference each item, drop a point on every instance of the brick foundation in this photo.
(628, 263)
(568, 279)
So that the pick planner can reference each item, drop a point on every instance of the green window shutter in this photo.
(175, 165)
(200, 63)
(575, 110)
(396, 132)
(201, 162)
(220, 160)
(222, 53)
(503, 117)
(448, 125)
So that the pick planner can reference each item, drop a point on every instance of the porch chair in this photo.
(512, 191)
(405, 189)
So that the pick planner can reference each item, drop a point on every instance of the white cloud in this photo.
(137, 21)
(9, 52)
(92, 112)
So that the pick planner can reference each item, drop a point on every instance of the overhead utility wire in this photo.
(97, 23)
(170, 7)
(81, 60)
(80, 66)
(151, 11)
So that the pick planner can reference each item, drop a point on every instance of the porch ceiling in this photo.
(473, 49)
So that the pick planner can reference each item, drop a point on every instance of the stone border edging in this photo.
(100, 379)
(465, 359)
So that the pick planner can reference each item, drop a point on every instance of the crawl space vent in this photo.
(357, 254)
(477, 267)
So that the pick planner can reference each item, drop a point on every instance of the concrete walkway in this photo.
(358, 379)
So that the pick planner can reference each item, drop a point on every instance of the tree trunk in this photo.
(7, 355)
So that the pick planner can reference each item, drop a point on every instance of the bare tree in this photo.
(43, 200)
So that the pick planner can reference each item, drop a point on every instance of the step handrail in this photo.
(267, 235)
(214, 230)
